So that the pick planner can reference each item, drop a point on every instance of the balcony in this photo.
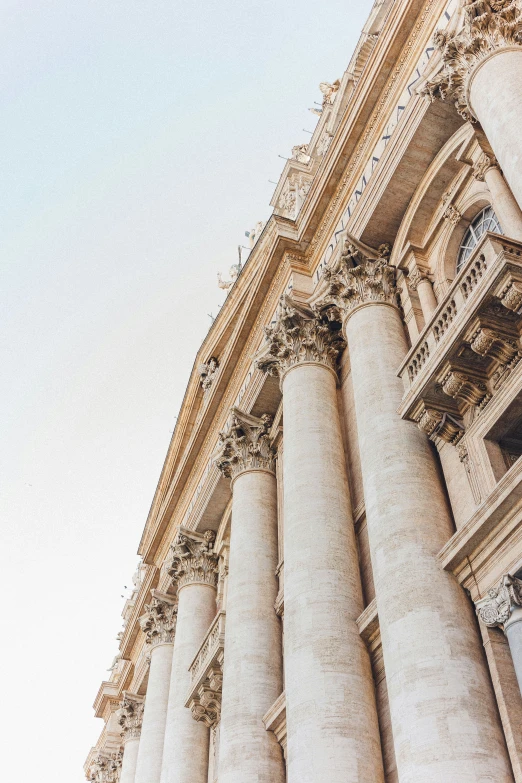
(470, 346)
(206, 675)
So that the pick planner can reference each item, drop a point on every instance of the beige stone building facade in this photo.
(331, 579)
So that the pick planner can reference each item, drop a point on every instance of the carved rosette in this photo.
(245, 445)
(106, 768)
(299, 335)
(488, 26)
(361, 275)
(496, 609)
(159, 622)
(131, 716)
(193, 558)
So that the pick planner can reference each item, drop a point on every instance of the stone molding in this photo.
(131, 715)
(359, 276)
(487, 28)
(105, 768)
(159, 622)
(496, 609)
(299, 335)
(206, 675)
(245, 445)
(275, 721)
(193, 560)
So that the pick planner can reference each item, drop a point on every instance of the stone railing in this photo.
(471, 343)
(212, 643)
(206, 675)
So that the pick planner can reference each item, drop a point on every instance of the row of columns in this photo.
(437, 680)
(444, 719)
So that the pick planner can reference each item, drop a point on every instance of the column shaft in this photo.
(130, 758)
(330, 704)
(496, 100)
(427, 298)
(185, 752)
(252, 677)
(513, 631)
(504, 203)
(148, 766)
(444, 718)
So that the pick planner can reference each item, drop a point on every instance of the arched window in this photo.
(486, 220)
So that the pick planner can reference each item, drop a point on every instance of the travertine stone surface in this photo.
(330, 703)
(504, 203)
(194, 568)
(495, 94)
(445, 722)
(148, 765)
(252, 677)
(130, 758)
(457, 483)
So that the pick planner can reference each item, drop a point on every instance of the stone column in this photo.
(486, 170)
(444, 718)
(252, 676)
(418, 281)
(130, 720)
(158, 624)
(194, 571)
(503, 608)
(332, 728)
(482, 73)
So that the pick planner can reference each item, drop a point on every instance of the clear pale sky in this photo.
(137, 142)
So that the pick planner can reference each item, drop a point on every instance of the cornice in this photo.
(368, 107)
(111, 691)
(132, 629)
(282, 244)
(189, 442)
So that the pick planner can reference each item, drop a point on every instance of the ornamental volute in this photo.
(159, 621)
(192, 558)
(300, 335)
(131, 715)
(487, 28)
(496, 609)
(245, 445)
(360, 275)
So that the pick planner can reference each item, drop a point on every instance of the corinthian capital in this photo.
(496, 609)
(300, 335)
(193, 558)
(359, 276)
(131, 715)
(105, 768)
(488, 26)
(159, 621)
(245, 445)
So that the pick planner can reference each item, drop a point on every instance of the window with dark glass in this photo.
(486, 220)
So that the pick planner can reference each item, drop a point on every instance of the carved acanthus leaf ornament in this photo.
(159, 622)
(245, 445)
(299, 335)
(488, 26)
(193, 558)
(359, 275)
(496, 609)
(105, 768)
(131, 716)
